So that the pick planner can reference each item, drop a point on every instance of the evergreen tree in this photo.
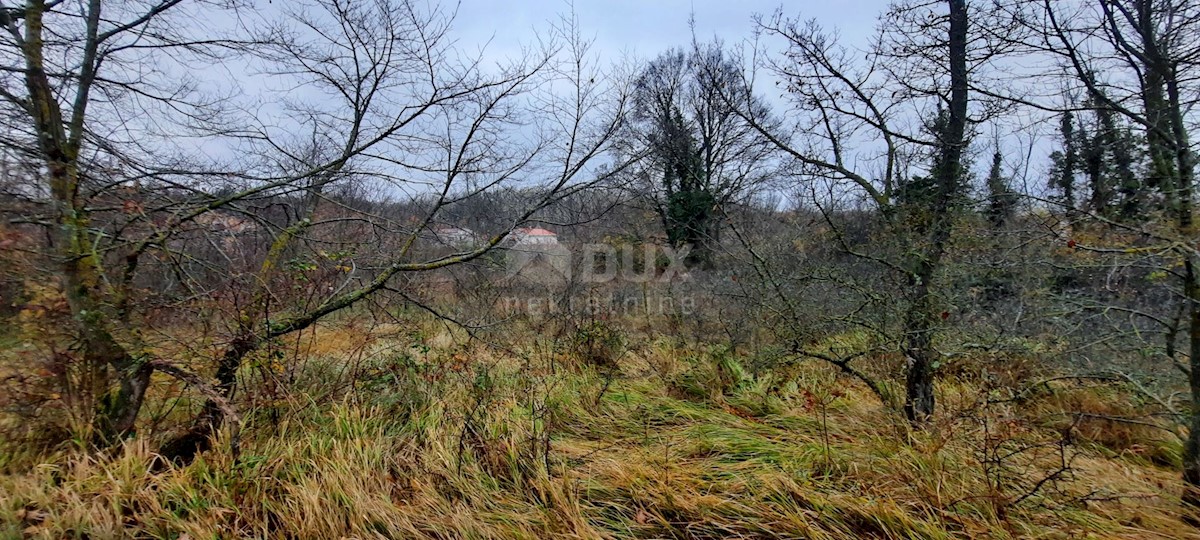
(1091, 145)
(690, 204)
(1109, 155)
(919, 193)
(1001, 199)
(1065, 162)
(1120, 146)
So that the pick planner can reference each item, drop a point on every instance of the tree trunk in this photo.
(1191, 456)
(119, 407)
(183, 448)
(1183, 205)
(1162, 169)
(116, 409)
(919, 402)
(119, 378)
(920, 320)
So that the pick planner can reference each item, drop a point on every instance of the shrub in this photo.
(599, 343)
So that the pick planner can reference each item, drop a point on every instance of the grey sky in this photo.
(644, 28)
(647, 27)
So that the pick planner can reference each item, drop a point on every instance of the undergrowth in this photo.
(682, 443)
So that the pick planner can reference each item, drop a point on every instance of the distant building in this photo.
(456, 237)
(535, 256)
(225, 224)
(533, 237)
(229, 228)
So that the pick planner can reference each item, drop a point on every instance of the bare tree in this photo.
(700, 154)
(862, 126)
(367, 94)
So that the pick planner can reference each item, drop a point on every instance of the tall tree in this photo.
(948, 173)
(1109, 157)
(1001, 199)
(700, 153)
(845, 109)
(1065, 162)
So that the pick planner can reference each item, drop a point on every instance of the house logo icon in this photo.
(546, 264)
(536, 255)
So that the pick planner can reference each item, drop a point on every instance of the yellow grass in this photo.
(526, 443)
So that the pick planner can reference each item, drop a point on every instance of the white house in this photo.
(525, 237)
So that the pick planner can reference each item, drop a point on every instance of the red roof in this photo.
(536, 232)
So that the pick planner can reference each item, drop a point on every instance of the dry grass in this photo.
(526, 444)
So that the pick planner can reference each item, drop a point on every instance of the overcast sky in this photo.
(644, 28)
(641, 29)
(647, 27)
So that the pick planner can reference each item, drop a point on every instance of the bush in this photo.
(599, 343)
